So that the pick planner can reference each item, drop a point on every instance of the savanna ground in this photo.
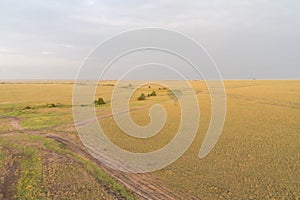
(256, 157)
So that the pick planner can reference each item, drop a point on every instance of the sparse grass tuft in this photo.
(29, 185)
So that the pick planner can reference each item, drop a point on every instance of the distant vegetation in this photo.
(162, 88)
(109, 84)
(99, 101)
(142, 97)
(153, 93)
(47, 105)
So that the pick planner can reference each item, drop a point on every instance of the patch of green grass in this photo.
(55, 146)
(38, 116)
(33, 137)
(45, 118)
(18, 141)
(90, 167)
(40, 122)
(2, 156)
(29, 182)
(11, 110)
(102, 177)
(29, 185)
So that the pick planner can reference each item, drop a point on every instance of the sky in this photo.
(245, 38)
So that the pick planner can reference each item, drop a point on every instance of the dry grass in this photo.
(256, 157)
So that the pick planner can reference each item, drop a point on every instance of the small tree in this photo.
(153, 93)
(51, 105)
(99, 101)
(142, 97)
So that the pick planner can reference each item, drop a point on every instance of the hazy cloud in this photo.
(48, 52)
(246, 38)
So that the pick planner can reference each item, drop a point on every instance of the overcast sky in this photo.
(246, 38)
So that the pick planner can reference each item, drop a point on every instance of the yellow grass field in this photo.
(256, 157)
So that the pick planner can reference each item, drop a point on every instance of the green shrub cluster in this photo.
(143, 96)
(99, 101)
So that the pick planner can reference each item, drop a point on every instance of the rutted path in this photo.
(85, 122)
(145, 186)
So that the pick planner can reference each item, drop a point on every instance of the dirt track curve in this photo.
(145, 186)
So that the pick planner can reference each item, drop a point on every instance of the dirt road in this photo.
(145, 186)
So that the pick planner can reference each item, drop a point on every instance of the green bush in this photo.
(99, 101)
(142, 97)
(52, 105)
(153, 93)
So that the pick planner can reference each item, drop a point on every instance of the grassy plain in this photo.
(256, 157)
(36, 167)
